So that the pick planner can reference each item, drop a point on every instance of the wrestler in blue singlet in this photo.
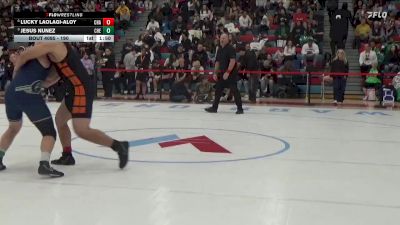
(23, 94)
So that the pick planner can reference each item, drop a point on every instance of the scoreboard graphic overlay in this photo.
(64, 27)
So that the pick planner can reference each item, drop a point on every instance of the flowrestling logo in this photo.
(377, 15)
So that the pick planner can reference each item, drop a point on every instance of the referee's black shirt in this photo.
(224, 55)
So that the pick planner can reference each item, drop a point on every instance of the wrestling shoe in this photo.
(46, 170)
(66, 159)
(210, 110)
(122, 148)
(2, 166)
(239, 111)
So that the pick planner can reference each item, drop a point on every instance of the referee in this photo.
(226, 75)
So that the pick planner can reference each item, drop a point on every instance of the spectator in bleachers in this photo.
(193, 5)
(148, 4)
(264, 24)
(245, 22)
(266, 64)
(203, 91)
(233, 39)
(130, 64)
(362, 32)
(143, 62)
(278, 58)
(339, 65)
(289, 52)
(281, 4)
(377, 33)
(222, 20)
(148, 39)
(185, 41)
(297, 32)
(357, 6)
(389, 29)
(281, 16)
(139, 42)
(88, 64)
(372, 81)
(309, 52)
(201, 55)
(182, 79)
(392, 60)
(360, 14)
(367, 58)
(170, 64)
(89, 6)
(124, 14)
(251, 64)
(108, 62)
(175, 7)
(178, 27)
(377, 48)
(153, 25)
(127, 47)
(207, 27)
(234, 11)
(299, 16)
(205, 12)
(310, 30)
(283, 32)
(243, 80)
(159, 42)
(155, 76)
(198, 72)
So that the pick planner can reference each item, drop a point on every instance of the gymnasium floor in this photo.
(274, 165)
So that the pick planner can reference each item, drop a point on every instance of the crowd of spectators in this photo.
(183, 34)
(377, 39)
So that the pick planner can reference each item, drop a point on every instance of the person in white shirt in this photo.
(245, 22)
(148, 4)
(289, 52)
(152, 25)
(367, 58)
(158, 36)
(139, 42)
(205, 12)
(129, 62)
(264, 24)
(309, 51)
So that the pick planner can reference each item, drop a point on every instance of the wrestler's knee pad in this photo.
(46, 128)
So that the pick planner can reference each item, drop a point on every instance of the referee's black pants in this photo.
(219, 88)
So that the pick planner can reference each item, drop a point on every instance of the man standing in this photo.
(225, 64)
(130, 64)
(250, 63)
